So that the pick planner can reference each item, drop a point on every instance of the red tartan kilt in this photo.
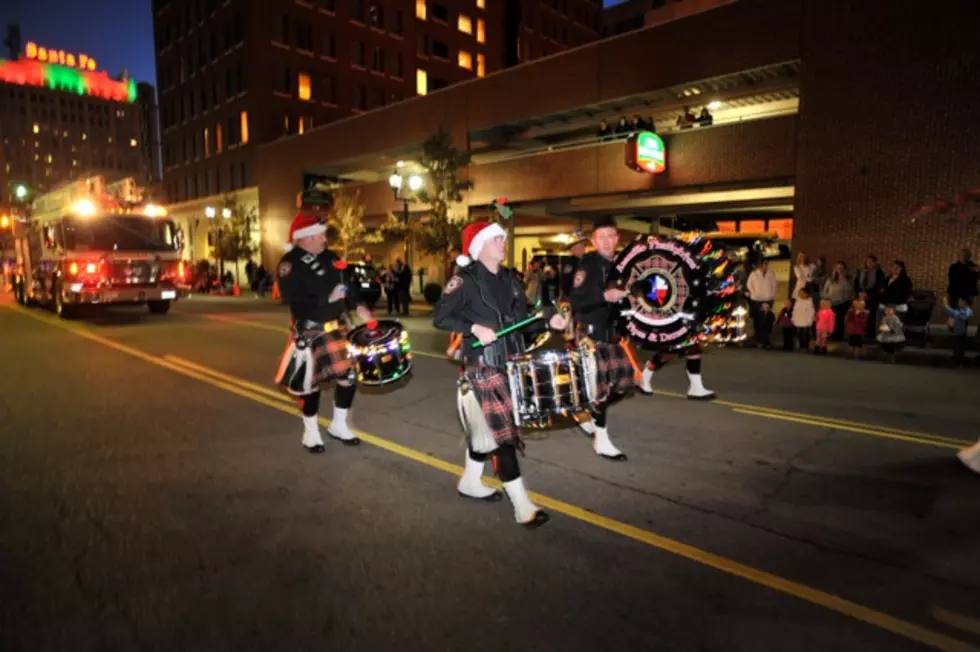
(331, 355)
(493, 393)
(613, 370)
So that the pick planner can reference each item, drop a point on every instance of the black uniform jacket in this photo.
(306, 281)
(470, 298)
(591, 310)
(566, 275)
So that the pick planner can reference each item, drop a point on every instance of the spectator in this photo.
(856, 320)
(962, 279)
(533, 281)
(686, 120)
(403, 284)
(803, 271)
(623, 127)
(825, 326)
(705, 119)
(785, 323)
(870, 281)
(803, 316)
(959, 320)
(891, 333)
(651, 124)
(897, 290)
(390, 285)
(763, 326)
(604, 131)
(760, 288)
(839, 288)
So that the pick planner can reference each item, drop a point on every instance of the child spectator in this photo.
(856, 325)
(785, 323)
(826, 320)
(803, 315)
(959, 319)
(763, 326)
(891, 333)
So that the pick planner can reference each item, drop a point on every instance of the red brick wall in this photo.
(888, 122)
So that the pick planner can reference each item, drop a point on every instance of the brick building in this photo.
(234, 75)
(843, 117)
(61, 119)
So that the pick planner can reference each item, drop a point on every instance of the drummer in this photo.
(595, 306)
(481, 298)
(696, 391)
(312, 285)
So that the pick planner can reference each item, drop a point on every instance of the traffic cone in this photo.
(637, 369)
(236, 291)
(275, 291)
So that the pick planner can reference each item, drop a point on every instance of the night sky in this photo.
(119, 34)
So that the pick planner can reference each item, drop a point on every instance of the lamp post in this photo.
(211, 213)
(397, 183)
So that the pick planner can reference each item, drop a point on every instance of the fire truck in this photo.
(88, 243)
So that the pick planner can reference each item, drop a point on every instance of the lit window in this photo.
(421, 82)
(132, 142)
(481, 4)
(74, 163)
(48, 159)
(37, 128)
(481, 65)
(420, 11)
(465, 60)
(304, 86)
(481, 31)
(84, 136)
(465, 24)
(244, 119)
(219, 141)
(207, 143)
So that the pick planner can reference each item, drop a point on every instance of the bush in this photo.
(432, 292)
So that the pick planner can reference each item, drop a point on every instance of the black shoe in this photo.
(346, 442)
(495, 497)
(316, 450)
(540, 518)
(621, 457)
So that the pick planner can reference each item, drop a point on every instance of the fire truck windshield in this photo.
(120, 233)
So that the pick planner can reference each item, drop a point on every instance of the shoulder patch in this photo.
(579, 278)
(453, 284)
(285, 268)
(568, 268)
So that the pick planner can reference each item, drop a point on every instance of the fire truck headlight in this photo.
(84, 208)
(152, 210)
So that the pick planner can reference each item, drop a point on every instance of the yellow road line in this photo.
(959, 621)
(234, 380)
(918, 633)
(864, 431)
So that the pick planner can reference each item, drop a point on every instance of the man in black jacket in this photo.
(479, 300)
(312, 284)
(595, 300)
(570, 265)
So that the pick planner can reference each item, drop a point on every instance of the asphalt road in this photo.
(154, 495)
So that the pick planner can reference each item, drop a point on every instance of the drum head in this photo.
(385, 330)
(681, 289)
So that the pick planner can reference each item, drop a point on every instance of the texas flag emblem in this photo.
(659, 289)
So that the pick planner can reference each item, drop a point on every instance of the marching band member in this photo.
(311, 282)
(570, 266)
(595, 307)
(696, 390)
(480, 299)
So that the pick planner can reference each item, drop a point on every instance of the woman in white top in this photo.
(803, 271)
(803, 317)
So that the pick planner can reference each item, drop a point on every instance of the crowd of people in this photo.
(873, 304)
(626, 127)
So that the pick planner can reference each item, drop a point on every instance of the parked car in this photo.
(366, 276)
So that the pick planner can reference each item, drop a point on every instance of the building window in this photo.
(440, 50)
(420, 9)
(421, 82)
(327, 5)
(465, 24)
(377, 15)
(330, 45)
(244, 126)
(283, 36)
(481, 65)
(360, 97)
(303, 86)
(481, 4)
(357, 10)
(465, 60)
(358, 53)
(207, 143)
(481, 31)
(440, 13)
(329, 92)
(399, 67)
(304, 36)
(379, 60)
(399, 23)
(219, 143)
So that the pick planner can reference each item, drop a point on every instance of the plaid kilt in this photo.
(614, 370)
(331, 354)
(493, 393)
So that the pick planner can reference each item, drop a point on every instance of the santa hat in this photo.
(303, 226)
(476, 235)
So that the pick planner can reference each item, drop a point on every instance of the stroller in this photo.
(916, 320)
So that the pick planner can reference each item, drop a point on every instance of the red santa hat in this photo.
(475, 235)
(303, 226)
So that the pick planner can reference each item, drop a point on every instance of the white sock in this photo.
(471, 483)
(524, 509)
(645, 380)
(696, 387)
(311, 432)
(587, 426)
(603, 445)
(338, 424)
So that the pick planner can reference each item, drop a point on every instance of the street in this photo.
(154, 495)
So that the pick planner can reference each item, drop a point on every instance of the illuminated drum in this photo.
(381, 351)
(550, 384)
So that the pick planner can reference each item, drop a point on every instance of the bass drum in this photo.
(681, 291)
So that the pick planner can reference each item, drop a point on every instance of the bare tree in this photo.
(346, 219)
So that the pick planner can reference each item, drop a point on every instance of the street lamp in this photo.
(397, 182)
(20, 191)
(211, 213)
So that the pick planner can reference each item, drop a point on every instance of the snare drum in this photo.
(549, 384)
(381, 351)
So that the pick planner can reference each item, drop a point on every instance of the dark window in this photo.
(357, 10)
(283, 36)
(360, 99)
(423, 45)
(329, 45)
(327, 5)
(358, 59)
(379, 60)
(399, 26)
(382, 97)
(435, 83)
(240, 72)
(286, 80)
(244, 174)
(440, 49)
(304, 36)
(399, 66)
(213, 44)
(439, 12)
(329, 89)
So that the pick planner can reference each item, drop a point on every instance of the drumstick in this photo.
(513, 327)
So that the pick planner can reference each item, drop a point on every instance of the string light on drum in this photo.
(382, 352)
